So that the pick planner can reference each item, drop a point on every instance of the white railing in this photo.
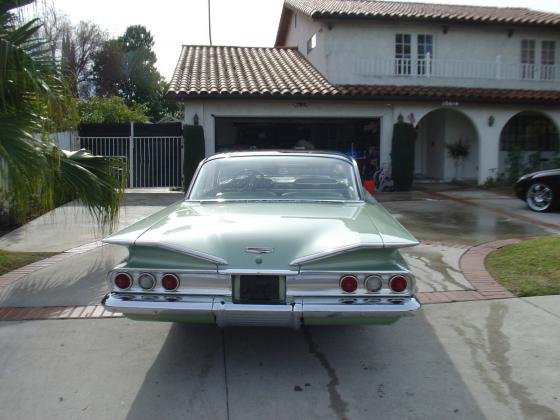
(462, 69)
(152, 161)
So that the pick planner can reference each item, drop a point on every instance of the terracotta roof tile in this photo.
(246, 71)
(421, 11)
(224, 72)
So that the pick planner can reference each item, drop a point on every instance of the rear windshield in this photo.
(306, 178)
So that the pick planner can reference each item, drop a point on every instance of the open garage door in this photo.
(357, 137)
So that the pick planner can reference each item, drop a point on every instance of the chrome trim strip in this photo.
(335, 251)
(189, 252)
(267, 272)
(259, 250)
(347, 248)
(403, 271)
(293, 314)
(165, 270)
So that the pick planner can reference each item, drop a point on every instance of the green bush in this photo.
(402, 155)
(110, 110)
(514, 162)
(194, 151)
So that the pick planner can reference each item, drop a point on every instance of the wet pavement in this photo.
(436, 268)
(450, 221)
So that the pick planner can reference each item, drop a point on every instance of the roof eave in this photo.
(362, 97)
(325, 16)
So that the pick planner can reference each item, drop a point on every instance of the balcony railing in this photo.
(457, 69)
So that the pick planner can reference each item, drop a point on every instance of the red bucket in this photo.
(369, 185)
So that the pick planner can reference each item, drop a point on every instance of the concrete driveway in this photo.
(484, 359)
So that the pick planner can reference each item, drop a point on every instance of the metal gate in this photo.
(152, 161)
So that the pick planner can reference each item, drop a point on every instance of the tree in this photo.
(125, 67)
(34, 170)
(79, 44)
(71, 47)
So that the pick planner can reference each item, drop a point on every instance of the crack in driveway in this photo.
(337, 404)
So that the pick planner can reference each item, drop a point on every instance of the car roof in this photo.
(288, 152)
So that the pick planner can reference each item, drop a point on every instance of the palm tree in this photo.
(36, 171)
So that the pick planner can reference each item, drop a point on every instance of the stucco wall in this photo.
(343, 49)
(301, 29)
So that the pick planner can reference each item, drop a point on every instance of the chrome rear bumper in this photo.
(223, 312)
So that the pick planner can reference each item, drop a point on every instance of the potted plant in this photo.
(458, 151)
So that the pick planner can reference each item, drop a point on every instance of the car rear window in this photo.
(276, 178)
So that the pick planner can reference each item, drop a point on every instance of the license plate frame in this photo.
(256, 289)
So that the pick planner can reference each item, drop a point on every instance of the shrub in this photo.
(402, 155)
(110, 110)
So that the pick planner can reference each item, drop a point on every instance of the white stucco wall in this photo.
(346, 48)
(301, 29)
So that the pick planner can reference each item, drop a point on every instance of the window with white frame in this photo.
(414, 54)
(528, 53)
(548, 60)
(403, 54)
(425, 53)
(311, 43)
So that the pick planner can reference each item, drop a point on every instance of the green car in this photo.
(267, 238)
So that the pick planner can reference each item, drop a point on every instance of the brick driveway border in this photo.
(472, 267)
(19, 273)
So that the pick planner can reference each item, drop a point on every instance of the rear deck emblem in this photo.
(259, 250)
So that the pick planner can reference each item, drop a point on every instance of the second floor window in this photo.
(403, 54)
(528, 58)
(425, 49)
(413, 54)
(548, 55)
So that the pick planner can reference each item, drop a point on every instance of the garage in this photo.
(358, 137)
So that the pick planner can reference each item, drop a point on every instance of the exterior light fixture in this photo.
(491, 120)
(195, 119)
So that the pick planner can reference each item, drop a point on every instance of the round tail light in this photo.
(170, 282)
(349, 284)
(398, 283)
(146, 281)
(374, 283)
(123, 281)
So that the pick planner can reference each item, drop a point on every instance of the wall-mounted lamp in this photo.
(491, 120)
(400, 118)
(195, 119)
(445, 29)
(511, 32)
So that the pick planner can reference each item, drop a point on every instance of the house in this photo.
(342, 72)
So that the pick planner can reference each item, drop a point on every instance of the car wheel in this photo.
(540, 197)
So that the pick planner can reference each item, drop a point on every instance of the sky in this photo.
(234, 22)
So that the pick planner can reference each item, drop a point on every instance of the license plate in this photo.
(259, 289)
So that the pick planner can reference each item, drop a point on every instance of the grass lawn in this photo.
(11, 260)
(530, 268)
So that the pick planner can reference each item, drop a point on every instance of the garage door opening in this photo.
(357, 137)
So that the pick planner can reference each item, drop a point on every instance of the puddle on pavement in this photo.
(447, 221)
(436, 268)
